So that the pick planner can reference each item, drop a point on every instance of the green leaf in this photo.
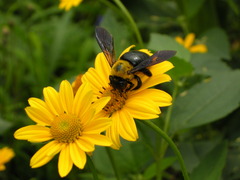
(212, 164)
(207, 102)
(181, 68)
(193, 152)
(150, 172)
(60, 36)
(217, 43)
(208, 64)
(131, 158)
(4, 125)
(111, 23)
(163, 42)
(192, 7)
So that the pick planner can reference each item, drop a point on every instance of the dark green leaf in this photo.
(181, 68)
(192, 7)
(207, 102)
(212, 164)
(150, 172)
(208, 64)
(164, 42)
(4, 125)
(114, 26)
(217, 43)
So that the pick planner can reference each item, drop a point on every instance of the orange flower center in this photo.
(117, 100)
(66, 128)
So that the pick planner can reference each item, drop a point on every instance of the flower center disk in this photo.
(66, 128)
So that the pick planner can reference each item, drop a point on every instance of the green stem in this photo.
(172, 145)
(169, 111)
(132, 22)
(112, 6)
(113, 162)
(92, 167)
(163, 144)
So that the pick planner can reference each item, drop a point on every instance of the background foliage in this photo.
(40, 45)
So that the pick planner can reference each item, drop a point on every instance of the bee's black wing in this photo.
(105, 41)
(156, 58)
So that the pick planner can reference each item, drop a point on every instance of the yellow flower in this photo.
(142, 103)
(67, 123)
(188, 44)
(6, 154)
(68, 4)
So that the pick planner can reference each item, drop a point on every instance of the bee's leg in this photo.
(139, 82)
(130, 86)
(146, 71)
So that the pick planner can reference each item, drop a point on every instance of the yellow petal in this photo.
(99, 104)
(128, 128)
(189, 40)
(146, 51)
(142, 108)
(179, 40)
(199, 48)
(160, 97)
(83, 100)
(42, 106)
(127, 50)
(113, 132)
(64, 161)
(103, 68)
(39, 116)
(68, 4)
(40, 158)
(97, 126)
(98, 139)
(85, 145)
(66, 96)
(78, 156)
(51, 97)
(161, 68)
(33, 133)
(6, 154)
(154, 80)
(2, 167)
(95, 79)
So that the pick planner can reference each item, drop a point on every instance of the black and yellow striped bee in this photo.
(124, 69)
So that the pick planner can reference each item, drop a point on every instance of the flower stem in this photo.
(92, 167)
(113, 162)
(163, 144)
(172, 145)
(169, 111)
(132, 22)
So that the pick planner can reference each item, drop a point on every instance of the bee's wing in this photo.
(105, 41)
(156, 58)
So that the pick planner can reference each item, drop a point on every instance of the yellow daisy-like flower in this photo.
(188, 44)
(67, 123)
(6, 154)
(68, 4)
(142, 103)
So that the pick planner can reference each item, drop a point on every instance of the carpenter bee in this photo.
(124, 69)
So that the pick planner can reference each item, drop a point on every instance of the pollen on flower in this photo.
(66, 128)
(117, 100)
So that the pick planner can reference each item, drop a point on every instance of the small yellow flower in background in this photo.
(67, 124)
(6, 154)
(142, 103)
(188, 44)
(68, 4)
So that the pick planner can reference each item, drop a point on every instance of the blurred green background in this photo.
(40, 45)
